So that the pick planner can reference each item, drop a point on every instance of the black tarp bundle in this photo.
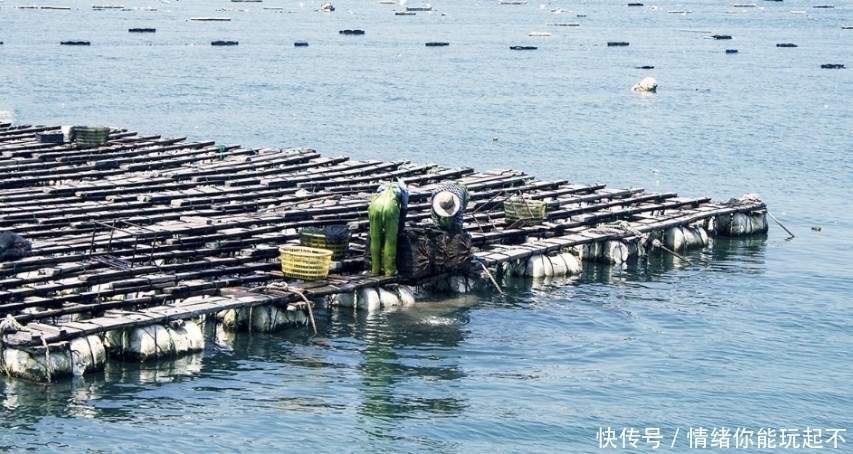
(425, 252)
(13, 246)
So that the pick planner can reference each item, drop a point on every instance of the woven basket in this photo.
(305, 262)
(318, 240)
(529, 211)
(90, 136)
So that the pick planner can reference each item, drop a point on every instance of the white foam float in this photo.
(376, 298)
(75, 358)
(684, 237)
(368, 298)
(405, 294)
(155, 341)
(741, 224)
(264, 318)
(611, 251)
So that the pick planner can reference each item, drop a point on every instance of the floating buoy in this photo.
(300, 43)
(731, 51)
(523, 47)
(351, 32)
(75, 43)
(721, 36)
(141, 30)
(832, 66)
(436, 44)
(635, 4)
(647, 85)
(786, 45)
(645, 67)
(616, 43)
(223, 43)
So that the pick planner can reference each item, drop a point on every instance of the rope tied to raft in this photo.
(10, 325)
(626, 226)
(284, 287)
(307, 303)
(657, 244)
(489, 273)
(46, 359)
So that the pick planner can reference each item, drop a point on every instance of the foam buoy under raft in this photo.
(741, 224)
(47, 363)
(373, 299)
(265, 318)
(155, 341)
(539, 265)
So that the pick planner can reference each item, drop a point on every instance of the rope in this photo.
(92, 353)
(310, 311)
(489, 273)
(10, 325)
(46, 359)
(780, 224)
(251, 317)
(657, 243)
(3, 357)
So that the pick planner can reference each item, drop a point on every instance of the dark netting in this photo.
(336, 234)
(13, 246)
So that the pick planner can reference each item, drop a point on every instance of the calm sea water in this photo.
(751, 334)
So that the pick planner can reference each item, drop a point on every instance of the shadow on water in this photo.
(405, 349)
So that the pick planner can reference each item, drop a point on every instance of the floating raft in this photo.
(144, 230)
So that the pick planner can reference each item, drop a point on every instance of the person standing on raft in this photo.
(448, 207)
(387, 215)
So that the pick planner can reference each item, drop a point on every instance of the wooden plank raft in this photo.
(147, 229)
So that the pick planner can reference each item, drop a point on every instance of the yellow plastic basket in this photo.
(305, 262)
(518, 209)
(318, 240)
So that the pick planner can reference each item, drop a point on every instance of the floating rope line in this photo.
(780, 224)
